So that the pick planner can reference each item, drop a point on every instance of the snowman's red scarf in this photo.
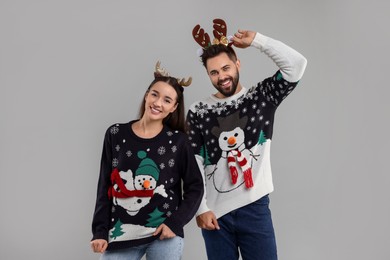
(123, 191)
(236, 156)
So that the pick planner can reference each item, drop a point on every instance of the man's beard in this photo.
(232, 90)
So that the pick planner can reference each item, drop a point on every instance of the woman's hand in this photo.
(99, 245)
(165, 231)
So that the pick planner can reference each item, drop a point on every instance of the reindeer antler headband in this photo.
(161, 72)
(219, 32)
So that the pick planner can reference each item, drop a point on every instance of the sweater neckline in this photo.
(228, 99)
(141, 139)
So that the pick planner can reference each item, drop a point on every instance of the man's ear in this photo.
(238, 64)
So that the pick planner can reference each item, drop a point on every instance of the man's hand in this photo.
(243, 38)
(207, 221)
(99, 245)
(165, 231)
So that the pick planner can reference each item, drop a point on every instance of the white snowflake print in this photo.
(114, 130)
(258, 111)
(194, 145)
(117, 147)
(244, 110)
(169, 133)
(171, 180)
(250, 143)
(253, 119)
(124, 140)
(166, 206)
(251, 92)
(129, 153)
(267, 122)
(161, 150)
(219, 108)
(207, 119)
(212, 155)
(174, 148)
(171, 162)
(162, 166)
(201, 109)
(115, 162)
(234, 104)
(261, 117)
(254, 130)
(169, 214)
(254, 106)
(240, 100)
(263, 104)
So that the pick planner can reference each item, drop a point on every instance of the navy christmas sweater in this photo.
(144, 183)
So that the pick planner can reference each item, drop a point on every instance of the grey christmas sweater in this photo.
(143, 183)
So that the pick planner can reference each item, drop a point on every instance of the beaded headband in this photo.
(161, 72)
(219, 32)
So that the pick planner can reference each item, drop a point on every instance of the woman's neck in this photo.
(147, 129)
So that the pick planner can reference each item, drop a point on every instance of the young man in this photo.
(231, 134)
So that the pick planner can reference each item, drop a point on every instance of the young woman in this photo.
(150, 185)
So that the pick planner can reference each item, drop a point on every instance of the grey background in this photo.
(68, 69)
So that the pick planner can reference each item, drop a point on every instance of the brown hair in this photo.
(216, 49)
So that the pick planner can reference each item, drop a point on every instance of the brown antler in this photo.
(202, 38)
(220, 28)
(185, 83)
(160, 71)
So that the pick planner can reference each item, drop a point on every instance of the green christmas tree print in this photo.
(203, 152)
(262, 138)
(117, 232)
(155, 218)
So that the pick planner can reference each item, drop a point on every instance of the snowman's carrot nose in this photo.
(231, 140)
(146, 184)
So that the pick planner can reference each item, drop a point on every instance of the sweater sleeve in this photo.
(196, 139)
(101, 217)
(192, 184)
(292, 64)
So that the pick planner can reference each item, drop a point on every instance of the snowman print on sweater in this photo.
(234, 168)
(132, 194)
(136, 192)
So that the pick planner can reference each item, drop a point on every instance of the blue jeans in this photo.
(171, 249)
(247, 230)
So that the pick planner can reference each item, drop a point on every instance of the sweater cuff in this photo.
(202, 208)
(259, 41)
